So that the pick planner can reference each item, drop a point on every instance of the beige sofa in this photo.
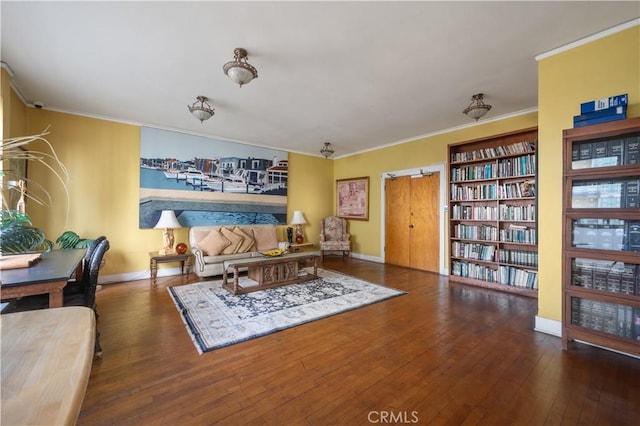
(212, 245)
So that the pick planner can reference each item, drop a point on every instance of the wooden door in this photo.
(396, 226)
(412, 222)
(425, 223)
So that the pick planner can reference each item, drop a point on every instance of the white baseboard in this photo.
(376, 259)
(138, 275)
(548, 326)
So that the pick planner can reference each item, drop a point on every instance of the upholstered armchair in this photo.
(334, 236)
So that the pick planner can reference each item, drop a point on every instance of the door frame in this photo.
(438, 167)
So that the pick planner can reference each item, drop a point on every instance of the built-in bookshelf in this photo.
(601, 236)
(493, 212)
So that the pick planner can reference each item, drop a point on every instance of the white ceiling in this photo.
(358, 74)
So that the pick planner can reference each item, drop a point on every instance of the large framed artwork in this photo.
(352, 198)
(208, 181)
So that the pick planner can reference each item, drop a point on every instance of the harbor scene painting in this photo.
(208, 181)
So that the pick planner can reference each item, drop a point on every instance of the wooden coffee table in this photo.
(266, 272)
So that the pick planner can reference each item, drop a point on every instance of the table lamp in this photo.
(168, 222)
(298, 220)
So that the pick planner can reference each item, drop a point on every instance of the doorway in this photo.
(413, 226)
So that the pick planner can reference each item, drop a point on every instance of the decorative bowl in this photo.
(274, 253)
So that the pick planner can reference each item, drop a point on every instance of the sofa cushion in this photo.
(236, 241)
(247, 240)
(214, 243)
(266, 238)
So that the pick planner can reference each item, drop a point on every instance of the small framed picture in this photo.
(352, 198)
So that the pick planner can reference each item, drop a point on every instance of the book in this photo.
(599, 149)
(628, 278)
(604, 103)
(585, 151)
(632, 150)
(616, 150)
(631, 188)
(633, 235)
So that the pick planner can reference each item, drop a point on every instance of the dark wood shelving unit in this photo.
(601, 236)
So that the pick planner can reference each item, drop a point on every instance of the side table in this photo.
(295, 248)
(155, 258)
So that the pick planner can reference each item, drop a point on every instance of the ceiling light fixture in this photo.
(201, 109)
(239, 70)
(327, 150)
(477, 108)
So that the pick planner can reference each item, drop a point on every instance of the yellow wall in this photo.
(603, 68)
(422, 152)
(102, 158)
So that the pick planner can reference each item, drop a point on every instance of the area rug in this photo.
(215, 318)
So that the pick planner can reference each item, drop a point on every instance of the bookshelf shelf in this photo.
(492, 212)
(601, 236)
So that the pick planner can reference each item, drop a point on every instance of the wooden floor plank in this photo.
(444, 353)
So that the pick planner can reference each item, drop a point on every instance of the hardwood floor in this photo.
(441, 354)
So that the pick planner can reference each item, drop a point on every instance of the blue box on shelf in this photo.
(601, 116)
(604, 103)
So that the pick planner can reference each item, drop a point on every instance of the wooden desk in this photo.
(155, 258)
(48, 275)
(46, 361)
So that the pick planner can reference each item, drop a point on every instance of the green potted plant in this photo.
(18, 234)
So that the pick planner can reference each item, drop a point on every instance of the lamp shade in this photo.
(298, 218)
(168, 220)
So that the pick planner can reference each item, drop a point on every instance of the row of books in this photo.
(462, 212)
(499, 151)
(520, 235)
(518, 257)
(473, 192)
(604, 153)
(610, 318)
(607, 234)
(517, 277)
(475, 232)
(525, 189)
(517, 190)
(473, 251)
(502, 212)
(508, 212)
(518, 166)
(603, 275)
(506, 275)
(485, 171)
(602, 111)
(473, 270)
(510, 167)
(621, 193)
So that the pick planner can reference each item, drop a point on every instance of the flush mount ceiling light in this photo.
(201, 109)
(239, 70)
(477, 108)
(327, 150)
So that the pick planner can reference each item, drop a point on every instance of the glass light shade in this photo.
(168, 220)
(240, 75)
(201, 114)
(478, 112)
(298, 218)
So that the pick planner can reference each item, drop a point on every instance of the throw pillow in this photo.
(236, 241)
(214, 243)
(247, 243)
(266, 238)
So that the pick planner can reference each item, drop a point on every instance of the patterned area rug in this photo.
(215, 318)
